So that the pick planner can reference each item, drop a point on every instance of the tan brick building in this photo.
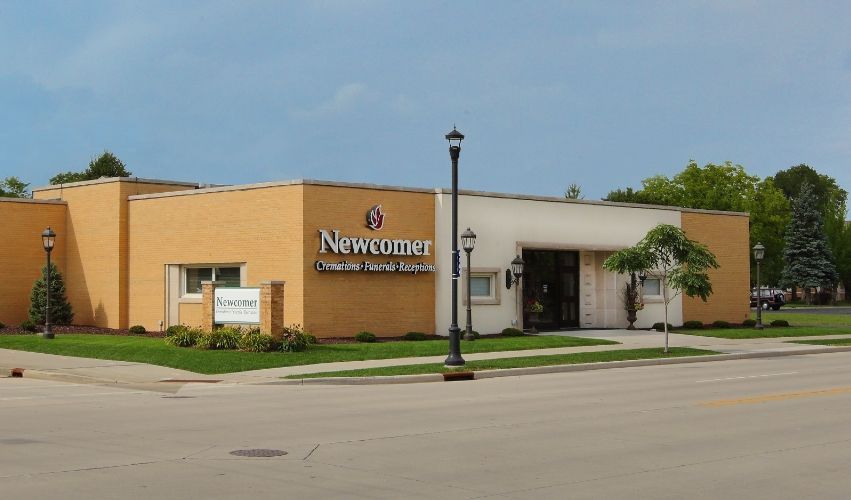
(353, 257)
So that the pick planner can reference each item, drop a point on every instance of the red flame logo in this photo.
(374, 218)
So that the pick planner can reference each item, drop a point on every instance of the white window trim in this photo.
(196, 297)
(652, 298)
(489, 272)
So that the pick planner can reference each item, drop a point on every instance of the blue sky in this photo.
(599, 93)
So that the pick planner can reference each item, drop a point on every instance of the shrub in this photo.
(255, 341)
(365, 337)
(175, 329)
(183, 336)
(2, 325)
(293, 339)
(720, 324)
(137, 330)
(475, 334)
(415, 336)
(749, 322)
(311, 339)
(511, 332)
(693, 324)
(220, 339)
(660, 327)
(60, 309)
(779, 322)
(28, 326)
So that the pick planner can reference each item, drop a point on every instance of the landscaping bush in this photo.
(511, 332)
(255, 341)
(311, 339)
(293, 339)
(221, 339)
(28, 326)
(60, 309)
(2, 325)
(779, 322)
(660, 327)
(137, 330)
(365, 337)
(415, 336)
(182, 336)
(749, 323)
(693, 324)
(721, 324)
(475, 334)
(175, 329)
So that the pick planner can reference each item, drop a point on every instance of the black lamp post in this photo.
(517, 271)
(454, 359)
(758, 255)
(48, 238)
(468, 242)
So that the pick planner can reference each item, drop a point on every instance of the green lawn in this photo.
(156, 351)
(801, 325)
(527, 361)
(824, 342)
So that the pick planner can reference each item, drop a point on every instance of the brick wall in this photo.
(727, 237)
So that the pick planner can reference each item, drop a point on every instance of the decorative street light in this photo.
(758, 254)
(48, 238)
(454, 359)
(468, 242)
(516, 270)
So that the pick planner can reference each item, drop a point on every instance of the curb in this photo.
(59, 376)
(539, 370)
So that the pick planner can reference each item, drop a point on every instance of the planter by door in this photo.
(631, 316)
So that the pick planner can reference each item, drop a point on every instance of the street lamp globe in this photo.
(517, 268)
(758, 252)
(468, 240)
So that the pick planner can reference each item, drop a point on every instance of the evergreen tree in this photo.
(60, 309)
(809, 261)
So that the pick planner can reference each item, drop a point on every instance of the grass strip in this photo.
(768, 332)
(521, 362)
(155, 351)
(824, 342)
(806, 319)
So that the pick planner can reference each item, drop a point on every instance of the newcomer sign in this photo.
(236, 305)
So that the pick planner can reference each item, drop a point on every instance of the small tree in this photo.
(809, 261)
(12, 187)
(666, 253)
(105, 165)
(573, 192)
(60, 309)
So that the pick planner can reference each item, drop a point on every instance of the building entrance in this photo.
(551, 279)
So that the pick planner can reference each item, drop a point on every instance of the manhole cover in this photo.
(258, 453)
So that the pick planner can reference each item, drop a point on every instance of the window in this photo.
(652, 286)
(193, 276)
(483, 286)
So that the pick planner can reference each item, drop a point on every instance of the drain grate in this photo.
(258, 452)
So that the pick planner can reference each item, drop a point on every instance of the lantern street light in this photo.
(468, 242)
(517, 271)
(454, 359)
(758, 255)
(48, 238)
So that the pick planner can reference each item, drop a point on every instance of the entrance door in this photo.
(551, 280)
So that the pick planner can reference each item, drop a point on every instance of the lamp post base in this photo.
(454, 358)
(47, 334)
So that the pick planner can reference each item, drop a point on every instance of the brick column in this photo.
(208, 289)
(272, 307)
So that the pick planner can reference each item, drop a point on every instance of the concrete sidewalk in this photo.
(85, 370)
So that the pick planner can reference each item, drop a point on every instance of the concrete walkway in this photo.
(85, 370)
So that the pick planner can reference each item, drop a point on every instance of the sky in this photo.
(597, 93)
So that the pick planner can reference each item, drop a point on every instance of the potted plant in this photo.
(535, 308)
(632, 301)
(629, 261)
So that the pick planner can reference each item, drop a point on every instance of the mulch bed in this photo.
(76, 329)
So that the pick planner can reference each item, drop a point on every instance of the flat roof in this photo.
(30, 200)
(106, 180)
(439, 191)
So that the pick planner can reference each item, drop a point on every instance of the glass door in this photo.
(550, 289)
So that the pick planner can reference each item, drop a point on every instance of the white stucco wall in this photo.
(506, 225)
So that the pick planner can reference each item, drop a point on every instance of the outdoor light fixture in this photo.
(48, 238)
(516, 270)
(454, 359)
(642, 275)
(758, 255)
(468, 242)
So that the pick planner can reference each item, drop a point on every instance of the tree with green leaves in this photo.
(12, 187)
(105, 165)
(680, 264)
(723, 187)
(60, 309)
(809, 261)
(573, 192)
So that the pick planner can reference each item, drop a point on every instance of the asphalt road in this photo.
(771, 428)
